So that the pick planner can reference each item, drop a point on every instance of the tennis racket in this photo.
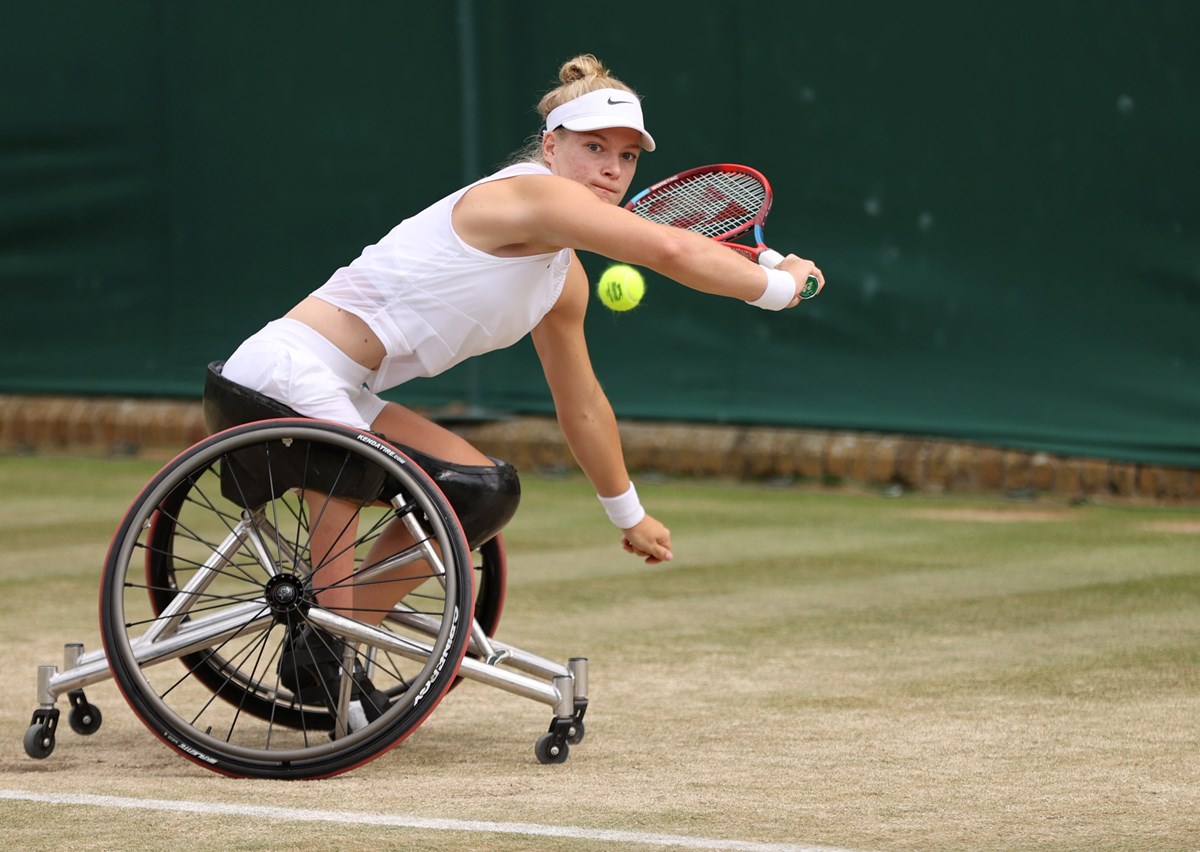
(724, 202)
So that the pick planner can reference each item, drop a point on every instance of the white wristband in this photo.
(624, 510)
(781, 290)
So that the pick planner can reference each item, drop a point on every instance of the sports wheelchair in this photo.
(211, 578)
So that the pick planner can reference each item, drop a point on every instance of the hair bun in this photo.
(582, 67)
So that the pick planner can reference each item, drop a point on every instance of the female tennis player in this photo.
(476, 272)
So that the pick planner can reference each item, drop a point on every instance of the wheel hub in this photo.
(285, 595)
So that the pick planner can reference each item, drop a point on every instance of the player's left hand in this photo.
(650, 540)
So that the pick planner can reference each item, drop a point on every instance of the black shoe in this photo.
(311, 666)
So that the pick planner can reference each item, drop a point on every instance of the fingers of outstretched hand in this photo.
(650, 540)
(653, 556)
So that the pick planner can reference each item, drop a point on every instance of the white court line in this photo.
(360, 818)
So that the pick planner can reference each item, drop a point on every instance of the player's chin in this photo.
(605, 195)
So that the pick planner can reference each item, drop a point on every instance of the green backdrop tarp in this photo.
(1005, 200)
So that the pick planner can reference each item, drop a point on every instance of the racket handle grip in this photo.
(769, 258)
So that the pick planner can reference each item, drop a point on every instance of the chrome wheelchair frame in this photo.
(212, 569)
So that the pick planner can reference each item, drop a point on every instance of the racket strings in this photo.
(713, 204)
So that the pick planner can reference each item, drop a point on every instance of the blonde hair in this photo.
(577, 76)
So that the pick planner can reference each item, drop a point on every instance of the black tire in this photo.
(549, 752)
(229, 585)
(491, 578)
(39, 742)
(84, 718)
(578, 732)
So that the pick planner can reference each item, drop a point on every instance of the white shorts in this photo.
(292, 363)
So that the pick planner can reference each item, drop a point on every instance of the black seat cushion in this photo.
(484, 497)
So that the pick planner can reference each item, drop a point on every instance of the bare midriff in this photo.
(343, 329)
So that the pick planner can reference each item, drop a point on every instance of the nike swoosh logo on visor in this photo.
(611, 102)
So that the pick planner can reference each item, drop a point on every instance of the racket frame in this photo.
(755, 220)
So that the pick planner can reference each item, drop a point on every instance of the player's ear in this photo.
(549, 143)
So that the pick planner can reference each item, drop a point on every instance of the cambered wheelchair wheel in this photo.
(213, 567)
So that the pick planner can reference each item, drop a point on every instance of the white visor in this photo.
(601, 109)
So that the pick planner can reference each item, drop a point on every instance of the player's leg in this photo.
(404, 426)
(333, 532)
(334, 528)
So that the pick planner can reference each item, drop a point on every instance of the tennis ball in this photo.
(621, 288)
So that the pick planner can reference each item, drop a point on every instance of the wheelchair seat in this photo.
(484, 497)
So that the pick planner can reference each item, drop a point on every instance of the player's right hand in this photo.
(801, 269)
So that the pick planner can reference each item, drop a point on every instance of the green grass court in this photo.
(815, 667)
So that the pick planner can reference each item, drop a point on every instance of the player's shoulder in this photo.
(536, 190)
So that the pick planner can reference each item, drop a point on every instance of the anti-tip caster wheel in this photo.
(84, 718)
(39, 741)
(39, 736)
(551, 749)
(576, 733)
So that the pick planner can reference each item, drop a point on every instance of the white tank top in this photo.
(435, 301)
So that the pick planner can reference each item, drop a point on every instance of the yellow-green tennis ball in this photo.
(621, 288)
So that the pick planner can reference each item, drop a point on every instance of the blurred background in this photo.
(1005, 199)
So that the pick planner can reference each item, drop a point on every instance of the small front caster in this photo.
(550, 748)
(84, 718)
(39, 736)
(576, 732)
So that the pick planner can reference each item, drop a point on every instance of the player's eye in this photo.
(629, 157)
(594, 147)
